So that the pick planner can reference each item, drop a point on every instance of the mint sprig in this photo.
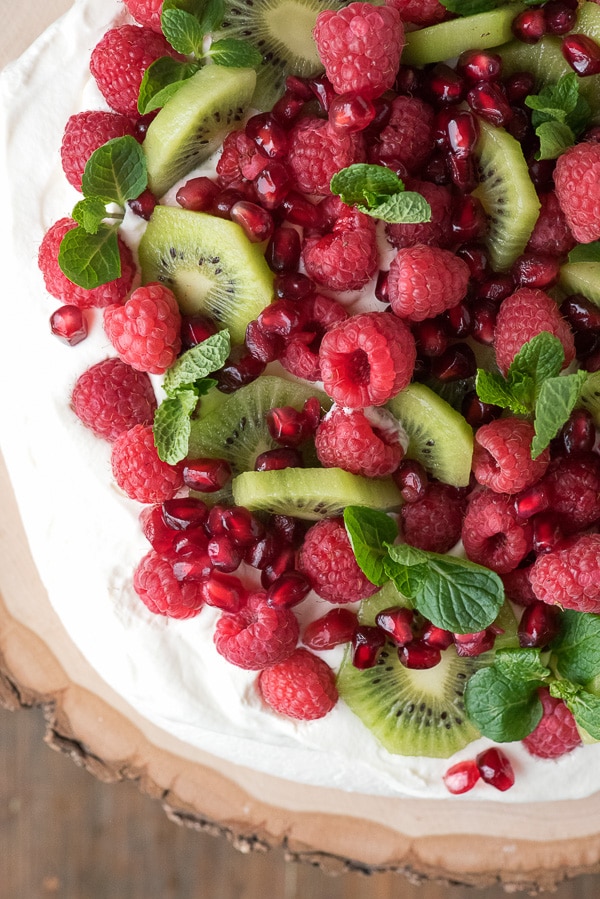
(380, 193)
(560, 114)
(162, 79)
(576, 650)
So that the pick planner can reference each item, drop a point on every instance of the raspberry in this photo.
(317, 151)
(408, 136)
(574, 485)
(556, 734)
(146, 12)
(303, 686)
(492, 534)
(64, 290)
(523, 315)
(258, 635)
(84, 133)
(570, 577)
(551, 233)
(425, 281)
(240, 158)
(434, 522)
(419, 12)
(159, 589)
(502, 456)
(577, 183)
(435, 233)
(367, 359)
(344, 260)
(327, 560)
(146, 331)
(138, 470)
(348, 439)
(111, 397)
(518, 586)
(360, 47)
(300, 356)
(119, 60)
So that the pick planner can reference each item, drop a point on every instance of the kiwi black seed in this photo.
(209, 264)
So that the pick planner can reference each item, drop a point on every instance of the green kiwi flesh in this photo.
(194, 122)
(439, 437)
(589, 397)
(281, 30)
(439, 42)
(581, 277)
(312, 493)
(209, 264)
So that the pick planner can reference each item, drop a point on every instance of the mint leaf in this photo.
(559, 115)
(408, 579)
(541, 357)
(584, 706)
(365, 184)
(585, 252)
(555, 138)
(407, 207)
(204, 385)
(116, 172)
(492, 388)
(172, 426)
(212, 15)
(577, 648)
(235, 54)
(90, 260)
(369, 531)
(89, 213)
(162, 79)
(471, 7)
(198, 362)
(556, 401)
(183, 31)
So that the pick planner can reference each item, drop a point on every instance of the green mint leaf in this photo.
(365, 184)
(585, 252)
(197, 363)
(204, 385)
(556, 401)
(212, 15)
(584, 706)
(541, 357)
(577, 648)
(116, 172)
(471, 7)
(90, 213)
(172, 426)
(492, 388)
(555, 138)
(521, 664)
(407, 207)
(161, 81)
(90, 260)
(408, 580)
(183, 31)
(369, 531)
(235, 54)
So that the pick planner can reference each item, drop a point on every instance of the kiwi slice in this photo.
(581, 277)
(312, 493)
(589, 397)
(506, 193)
(281, 30)
(194, 122)
(439, 42)
(209, 264)
(439, 437)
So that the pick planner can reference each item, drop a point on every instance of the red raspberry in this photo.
(574, 485)
(303, 686)
(360, 47)
(159, 589)
(240, 158)
(408, 136)
(138, 470)
(419, 12)
(437, 232)
(425, 281)
(119, 60)
(348, 439)
(518, 586)
(344, 260)
(64, 290)
(502, 456)
(111, 397)
(258, 635)
(300, 355)
(146, 331)
(523, 315)
(84, 133)
(317, 151)
(557, 733)
(551, 233)
(367, 359)
(577, 183)
(327, 560)
(492, 534)
(570, 577)
(146, 12)
(434, 522)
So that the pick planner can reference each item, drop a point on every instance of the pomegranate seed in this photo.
(546, 532)
(519, 86)
(539, 624)
(440, 127)
(186, 512)
(485, 314)
(193, 567)
(299, 86)
(408, 80)
(272, 185)
(560, 16)
(536, 270)
(582, 53)
(283, 250)
(222, 591)
(190, 544)
(69, 324)
(455, 363)
(411, 480)
(463, 132)
(532, 501)
(530, 25)
(225, 200)
(578, 435)
(265, 347)
(479, 65)
(418, 655)
(322, 89)
(476, 412)
(467, 645)
(381, 287)
(495, 769)
(284, 561)
(383, 112)
(541, 173)
(457, 321)
(469, 221)
(581, 313)
(143, 123)
(312, 411)
(288, 426)
(436, 636)
(462, 777)
(431, 337)
(206, 475)
(436, 169)
(154, 529)
(144, 205)
(288, 108)
(333, 629)
(350, 113)
(261, 553)
(282, 317)
(587, 343)
(444, 85)
(224, 555)
(396, 623)
(256, 222)
(237, 522)
(288, 590)
(367, 643)
(268, 135)
(520, 126)
(277, 459)
(289, 529)
(463, 174)
(300, 211)
(488, 100)
(241, 368)
(497, 288)
(294, 286)
(477, 259)
(195, 329)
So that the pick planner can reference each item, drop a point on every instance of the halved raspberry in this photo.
(434, 522)
(557, 733)
(574, 485)
(327, 560)
(240, 158)
(426, 281)
(146, 331)
(408, 137)
(502, 456)
(303, 686)
(492, 534)
(317, 151)
(367, 359)
(570, 577)
(524, 315)
(146, 12)
(84, 133)
(257, 636)
(343, 260)
(577, 181)
(111, 397)
(435, 233)
(139, 471)
(351, 440)
(159, 589)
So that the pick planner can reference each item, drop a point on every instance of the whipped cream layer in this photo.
(84, 533)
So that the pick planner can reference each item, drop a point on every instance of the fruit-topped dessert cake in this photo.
(307, 456)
